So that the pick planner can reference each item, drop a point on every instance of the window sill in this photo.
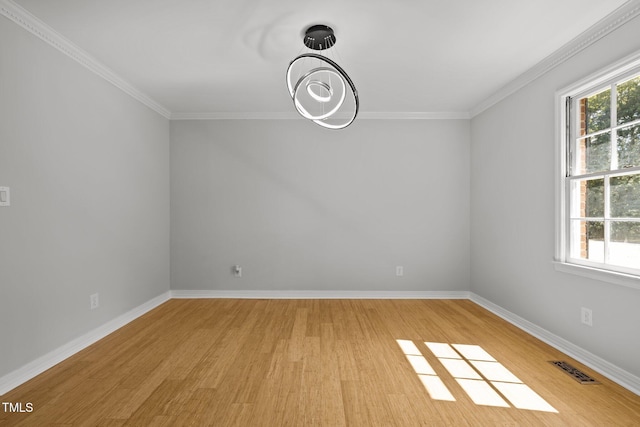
(616, 278)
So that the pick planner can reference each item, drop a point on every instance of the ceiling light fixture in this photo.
(321, 90)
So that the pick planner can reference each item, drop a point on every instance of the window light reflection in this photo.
(459, 368)
(420, 365)
(473, 352)
(430, 380)
(522, 397)
(485, 380)
(494, 371)
(481, 393)
(436, 388)
(408, 347)
(442, 350)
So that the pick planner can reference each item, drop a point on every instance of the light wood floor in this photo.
(305, 363)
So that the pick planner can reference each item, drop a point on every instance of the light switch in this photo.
(5, 197)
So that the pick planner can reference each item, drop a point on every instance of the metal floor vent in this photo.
(575, 373)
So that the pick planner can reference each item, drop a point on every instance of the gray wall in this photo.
(88, 168)
(305, 208)
(513, 222)
(299, 207)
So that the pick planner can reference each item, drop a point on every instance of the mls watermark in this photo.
(17, 407)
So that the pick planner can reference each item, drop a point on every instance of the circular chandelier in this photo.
(321, 90)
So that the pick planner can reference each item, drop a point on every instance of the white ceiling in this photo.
(230, 56)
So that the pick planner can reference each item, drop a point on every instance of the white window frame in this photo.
(612, 274)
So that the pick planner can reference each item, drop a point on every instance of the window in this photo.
(600, 174)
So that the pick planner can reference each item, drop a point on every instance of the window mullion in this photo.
(570, 138)
(613, 166)
(607, 218)
(614, 118)
(619, 172)
(591, 163)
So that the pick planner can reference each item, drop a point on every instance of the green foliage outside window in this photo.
(625, 190)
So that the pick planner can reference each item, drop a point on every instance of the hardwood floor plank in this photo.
(313, 363)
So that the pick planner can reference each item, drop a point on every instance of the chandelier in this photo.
(321, 90)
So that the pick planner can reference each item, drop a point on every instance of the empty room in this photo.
(285, 213)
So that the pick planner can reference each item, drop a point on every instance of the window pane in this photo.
(625, 196)
(601, 212)
(594, 154)
(587, 240)
(624, 248)
(594, 198)
(625, 231)
(595, 112)
(587, 198)
(628, 108)
(629, 147)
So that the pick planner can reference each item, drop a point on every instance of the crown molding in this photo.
(419, 115)
(608, 24)
(41, 30)
(235, 116)
(415, 115)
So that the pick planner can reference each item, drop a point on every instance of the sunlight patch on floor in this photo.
(431, 382)
(481, 393)
(522, 397)
(460, 369)
(485, 380)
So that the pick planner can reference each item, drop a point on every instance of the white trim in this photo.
(614, 277)
(41, 364)
(415, 115)
(618, 68)
(559, 176)
(607, 369)
(608, 24)
(562, 262)
(321, 294)
(32, 369)
(235, 116)
(38, 28)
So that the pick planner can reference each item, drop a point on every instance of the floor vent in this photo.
(575, 373)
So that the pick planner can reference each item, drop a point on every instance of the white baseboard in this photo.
(36, 367)
(32, 369)
(41, 364)
(609, 370)
(323, 294)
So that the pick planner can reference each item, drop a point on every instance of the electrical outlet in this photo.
(237, 271)
(399, 270)
(587, 316)
(94, 301)
(5, 196)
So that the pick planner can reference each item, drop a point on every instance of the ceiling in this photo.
(230, 56)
